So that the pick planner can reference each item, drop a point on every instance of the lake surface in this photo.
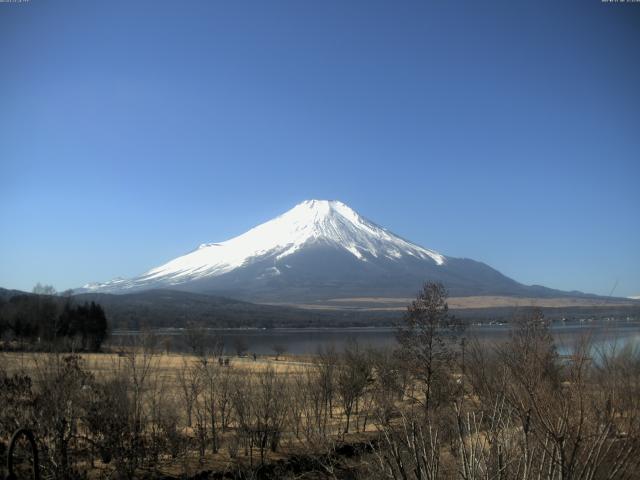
(603, 335)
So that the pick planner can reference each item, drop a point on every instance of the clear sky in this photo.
(507, 132)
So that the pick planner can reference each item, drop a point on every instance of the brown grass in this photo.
(166, 365)
(398, 304)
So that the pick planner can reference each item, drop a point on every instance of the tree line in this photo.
(44, 320)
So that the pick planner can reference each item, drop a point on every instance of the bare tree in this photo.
(271, 407)
(213, 390)
(327, 361)
(240, 346)
(539, 416)
(195, 338)
(58, 409)
(261, 409)
(391, 378)
(40, 289)
(353, 374)
(189, 381)
(410, 449)
(279, 349)
(424, 347)
(310, 412)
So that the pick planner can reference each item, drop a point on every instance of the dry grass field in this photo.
(166, 365)
(177, 383)
(434, 404)
(472, 302)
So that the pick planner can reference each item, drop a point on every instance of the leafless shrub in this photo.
(189, 382)
(354, 372)
(279, 350)
(545, 417)
(63, 384)
(409, 448)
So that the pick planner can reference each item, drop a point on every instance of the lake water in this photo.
(309, 340)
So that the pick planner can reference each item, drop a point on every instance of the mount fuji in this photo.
(320, 250)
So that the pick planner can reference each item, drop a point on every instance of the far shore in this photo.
(463, 303)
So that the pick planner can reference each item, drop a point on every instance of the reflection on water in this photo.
(603, 335)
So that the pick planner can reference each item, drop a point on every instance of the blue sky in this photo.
(507, 132)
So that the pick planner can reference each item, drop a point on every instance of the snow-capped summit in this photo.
(331, 222)
(318, 249)
(319, 222)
